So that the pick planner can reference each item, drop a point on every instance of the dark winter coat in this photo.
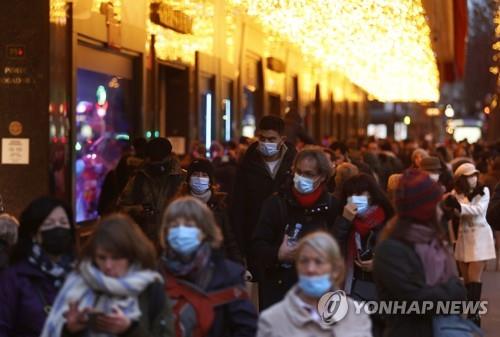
(156, 316)
(253, 185)
(148, 193)
(24, 291)
(237, 318)
(493, 215)
(217, 204)
(277, 212)
(399, 275)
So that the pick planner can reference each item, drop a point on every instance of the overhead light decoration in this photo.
(57, 12)
(382, 46)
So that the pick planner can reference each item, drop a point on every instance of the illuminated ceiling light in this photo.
(57, 12)
(407, 120)
(382, 46)
(449, 112)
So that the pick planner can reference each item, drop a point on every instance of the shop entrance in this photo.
(174, 101)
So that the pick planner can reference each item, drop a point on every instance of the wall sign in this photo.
(16, 151)
(164, 15)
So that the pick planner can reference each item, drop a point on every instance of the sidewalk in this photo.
(491, 292)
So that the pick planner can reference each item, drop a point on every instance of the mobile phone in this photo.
(93, 315)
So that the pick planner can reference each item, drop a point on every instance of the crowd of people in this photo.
(245, 239)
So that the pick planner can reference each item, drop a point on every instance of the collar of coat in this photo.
(322, 205)
(297, 313)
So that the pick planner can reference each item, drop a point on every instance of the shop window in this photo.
(103, 125)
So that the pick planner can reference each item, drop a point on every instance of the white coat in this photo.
(288, 318)
(475, 237)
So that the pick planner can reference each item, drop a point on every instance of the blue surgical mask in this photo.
(361, 202)
(199, 184)
(303, 184)
(268, 149)
(184, 240)
(315, 286)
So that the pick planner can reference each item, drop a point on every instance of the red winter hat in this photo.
(417, 196)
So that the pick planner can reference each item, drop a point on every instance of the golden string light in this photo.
(382, 46)
(57, 12)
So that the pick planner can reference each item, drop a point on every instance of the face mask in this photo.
(56, 241)
(268, 149)
(472, 182)
(184, 240)
(434, 176)
(361, 202)
(302, 184)
(315, 286)
(199, 184)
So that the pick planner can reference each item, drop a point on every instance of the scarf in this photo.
(188, 266)
(57, 271)
(205, 196)
(363, 223)
(308, 200)
(91, 288)
(437, 261)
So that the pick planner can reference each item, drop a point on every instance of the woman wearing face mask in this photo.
(201, 185)
(475, 244)
(304, 207)
(40, 262)
(208, 291)
(366, 211)
(320, 268)
(114, 290)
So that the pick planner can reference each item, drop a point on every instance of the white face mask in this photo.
(434, 176)
(361, 202)
(303, 184)
(268, 149)
(472, 181)
(199, 184)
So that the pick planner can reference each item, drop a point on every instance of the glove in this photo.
(452, 203)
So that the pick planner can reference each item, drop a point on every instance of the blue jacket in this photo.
(22, 308)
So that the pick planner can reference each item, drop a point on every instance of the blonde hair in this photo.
(8, 228)
(194, 210)
(324, 244)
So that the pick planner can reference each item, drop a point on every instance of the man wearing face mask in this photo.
(201, 184)
(304, 207)
(264, 170)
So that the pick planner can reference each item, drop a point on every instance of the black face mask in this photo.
(4, 254)
(56, 241)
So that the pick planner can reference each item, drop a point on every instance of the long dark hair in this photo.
(397, 228)
(366, 183)
(30, 221)
(462, 187)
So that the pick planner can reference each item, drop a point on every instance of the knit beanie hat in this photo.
(158, 149)
(201, 165)
(417, 196)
